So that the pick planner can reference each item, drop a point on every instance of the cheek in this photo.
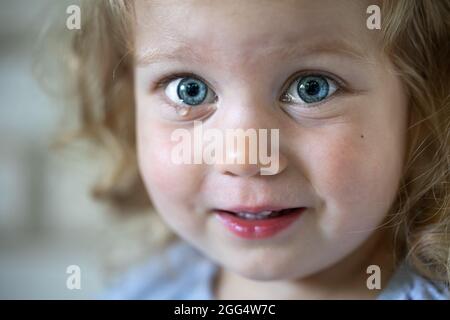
(172, 187)
(361, 161)
(357, 178)
(154, 161)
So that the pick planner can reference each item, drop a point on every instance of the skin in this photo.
(342, 160)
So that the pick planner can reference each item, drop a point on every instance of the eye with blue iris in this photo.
(310, 89)
(189, 91)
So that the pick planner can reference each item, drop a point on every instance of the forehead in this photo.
(244, 28)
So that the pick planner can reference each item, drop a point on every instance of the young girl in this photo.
(358, 204)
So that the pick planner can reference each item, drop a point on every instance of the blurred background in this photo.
(47, 219)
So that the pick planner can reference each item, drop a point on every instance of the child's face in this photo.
(340, 157)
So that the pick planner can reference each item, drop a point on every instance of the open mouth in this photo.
(258, 223)
(262, 215)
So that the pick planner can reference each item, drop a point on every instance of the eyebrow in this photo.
(185, 53)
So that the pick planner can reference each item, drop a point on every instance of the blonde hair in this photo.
(416, 37)
(417, 40)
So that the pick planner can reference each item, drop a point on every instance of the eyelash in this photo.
(167, 79)
(341, 84)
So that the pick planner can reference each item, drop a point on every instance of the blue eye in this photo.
(313, 89)
(310, 89)
(189, 91)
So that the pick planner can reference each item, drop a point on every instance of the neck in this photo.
(344, 280)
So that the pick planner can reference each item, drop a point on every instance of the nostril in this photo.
(241, 170)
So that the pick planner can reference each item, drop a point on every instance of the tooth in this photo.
(254, 216)
(250, 216)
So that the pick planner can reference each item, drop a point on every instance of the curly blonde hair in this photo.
(416, 38)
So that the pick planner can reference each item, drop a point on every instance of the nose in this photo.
(248, 158)
(254, 124)
(231, 165)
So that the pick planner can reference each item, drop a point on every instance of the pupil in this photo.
(192, 89)
(312, 87)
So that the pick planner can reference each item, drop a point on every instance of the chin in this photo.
(269, 273)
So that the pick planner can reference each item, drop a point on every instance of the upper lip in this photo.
(256, 209)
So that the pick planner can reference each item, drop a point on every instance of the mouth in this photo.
(249, 214)
(257, 223)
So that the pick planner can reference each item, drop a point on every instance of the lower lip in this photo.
(257, 229)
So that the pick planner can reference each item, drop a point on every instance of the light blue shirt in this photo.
(181, 272)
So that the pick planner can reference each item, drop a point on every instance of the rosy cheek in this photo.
(343, 172)
(350, 181)
(156, 167)
(166, 181)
